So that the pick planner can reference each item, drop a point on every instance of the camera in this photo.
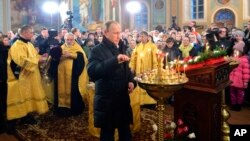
(68, 23)
(69, 12)
(211, 33)
(70, 15)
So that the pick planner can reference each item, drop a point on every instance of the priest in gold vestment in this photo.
(143, 59)
(25, 92)
(70, 78)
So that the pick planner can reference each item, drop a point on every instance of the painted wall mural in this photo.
(30, 12)
(223, 1)
(159, 12)
(88, 14)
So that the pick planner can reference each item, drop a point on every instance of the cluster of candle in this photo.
(166, 77)
(170, 75)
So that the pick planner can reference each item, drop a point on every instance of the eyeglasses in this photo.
(69, 39)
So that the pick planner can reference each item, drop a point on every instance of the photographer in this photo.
(68, 21)
(224, 40)
(212, 37)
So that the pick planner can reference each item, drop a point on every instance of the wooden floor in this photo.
(242, 117)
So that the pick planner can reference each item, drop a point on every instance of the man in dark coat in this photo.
(3, 82)
(42, 42)
(108, 67)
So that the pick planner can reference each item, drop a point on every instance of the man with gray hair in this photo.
(70, 77)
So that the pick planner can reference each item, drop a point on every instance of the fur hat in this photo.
(239, 46)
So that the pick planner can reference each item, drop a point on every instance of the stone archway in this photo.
(225, 17)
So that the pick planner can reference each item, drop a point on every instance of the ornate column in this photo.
(5, 16)
(225, 129)
(114, 4)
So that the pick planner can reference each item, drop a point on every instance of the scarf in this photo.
(185, 50)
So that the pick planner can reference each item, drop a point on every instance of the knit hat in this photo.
(239, 46)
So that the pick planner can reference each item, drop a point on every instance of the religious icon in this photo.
(223, 1)
(159, 4)
(113, 3)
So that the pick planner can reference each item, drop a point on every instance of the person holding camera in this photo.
(225, 43)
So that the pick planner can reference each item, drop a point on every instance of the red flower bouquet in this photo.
(181, 130)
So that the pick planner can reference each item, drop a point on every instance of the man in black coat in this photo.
(108, 67)
(41, 42)
(247, 35)
(3, 83)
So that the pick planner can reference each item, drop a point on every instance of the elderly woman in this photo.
(237, 36)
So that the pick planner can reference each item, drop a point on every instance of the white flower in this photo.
(190, 60)
(155, 128)
(191, 135)
(216, 51)
(173, 125)
(196, 58)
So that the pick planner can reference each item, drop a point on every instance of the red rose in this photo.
(185, 129)
(167, 136)
(187, 58)
(180, 131)
(179, 122)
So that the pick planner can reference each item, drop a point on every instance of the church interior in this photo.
(229, 13)
(192, 87)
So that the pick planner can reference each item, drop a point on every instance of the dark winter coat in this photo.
(111, 101)
(43, 44)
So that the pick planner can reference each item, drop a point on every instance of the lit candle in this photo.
(184, 67)
(175, 64)
(178, 65)
(167, 69)
(196, 58)
(166, 58)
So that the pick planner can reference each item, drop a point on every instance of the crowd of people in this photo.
(110, 58)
